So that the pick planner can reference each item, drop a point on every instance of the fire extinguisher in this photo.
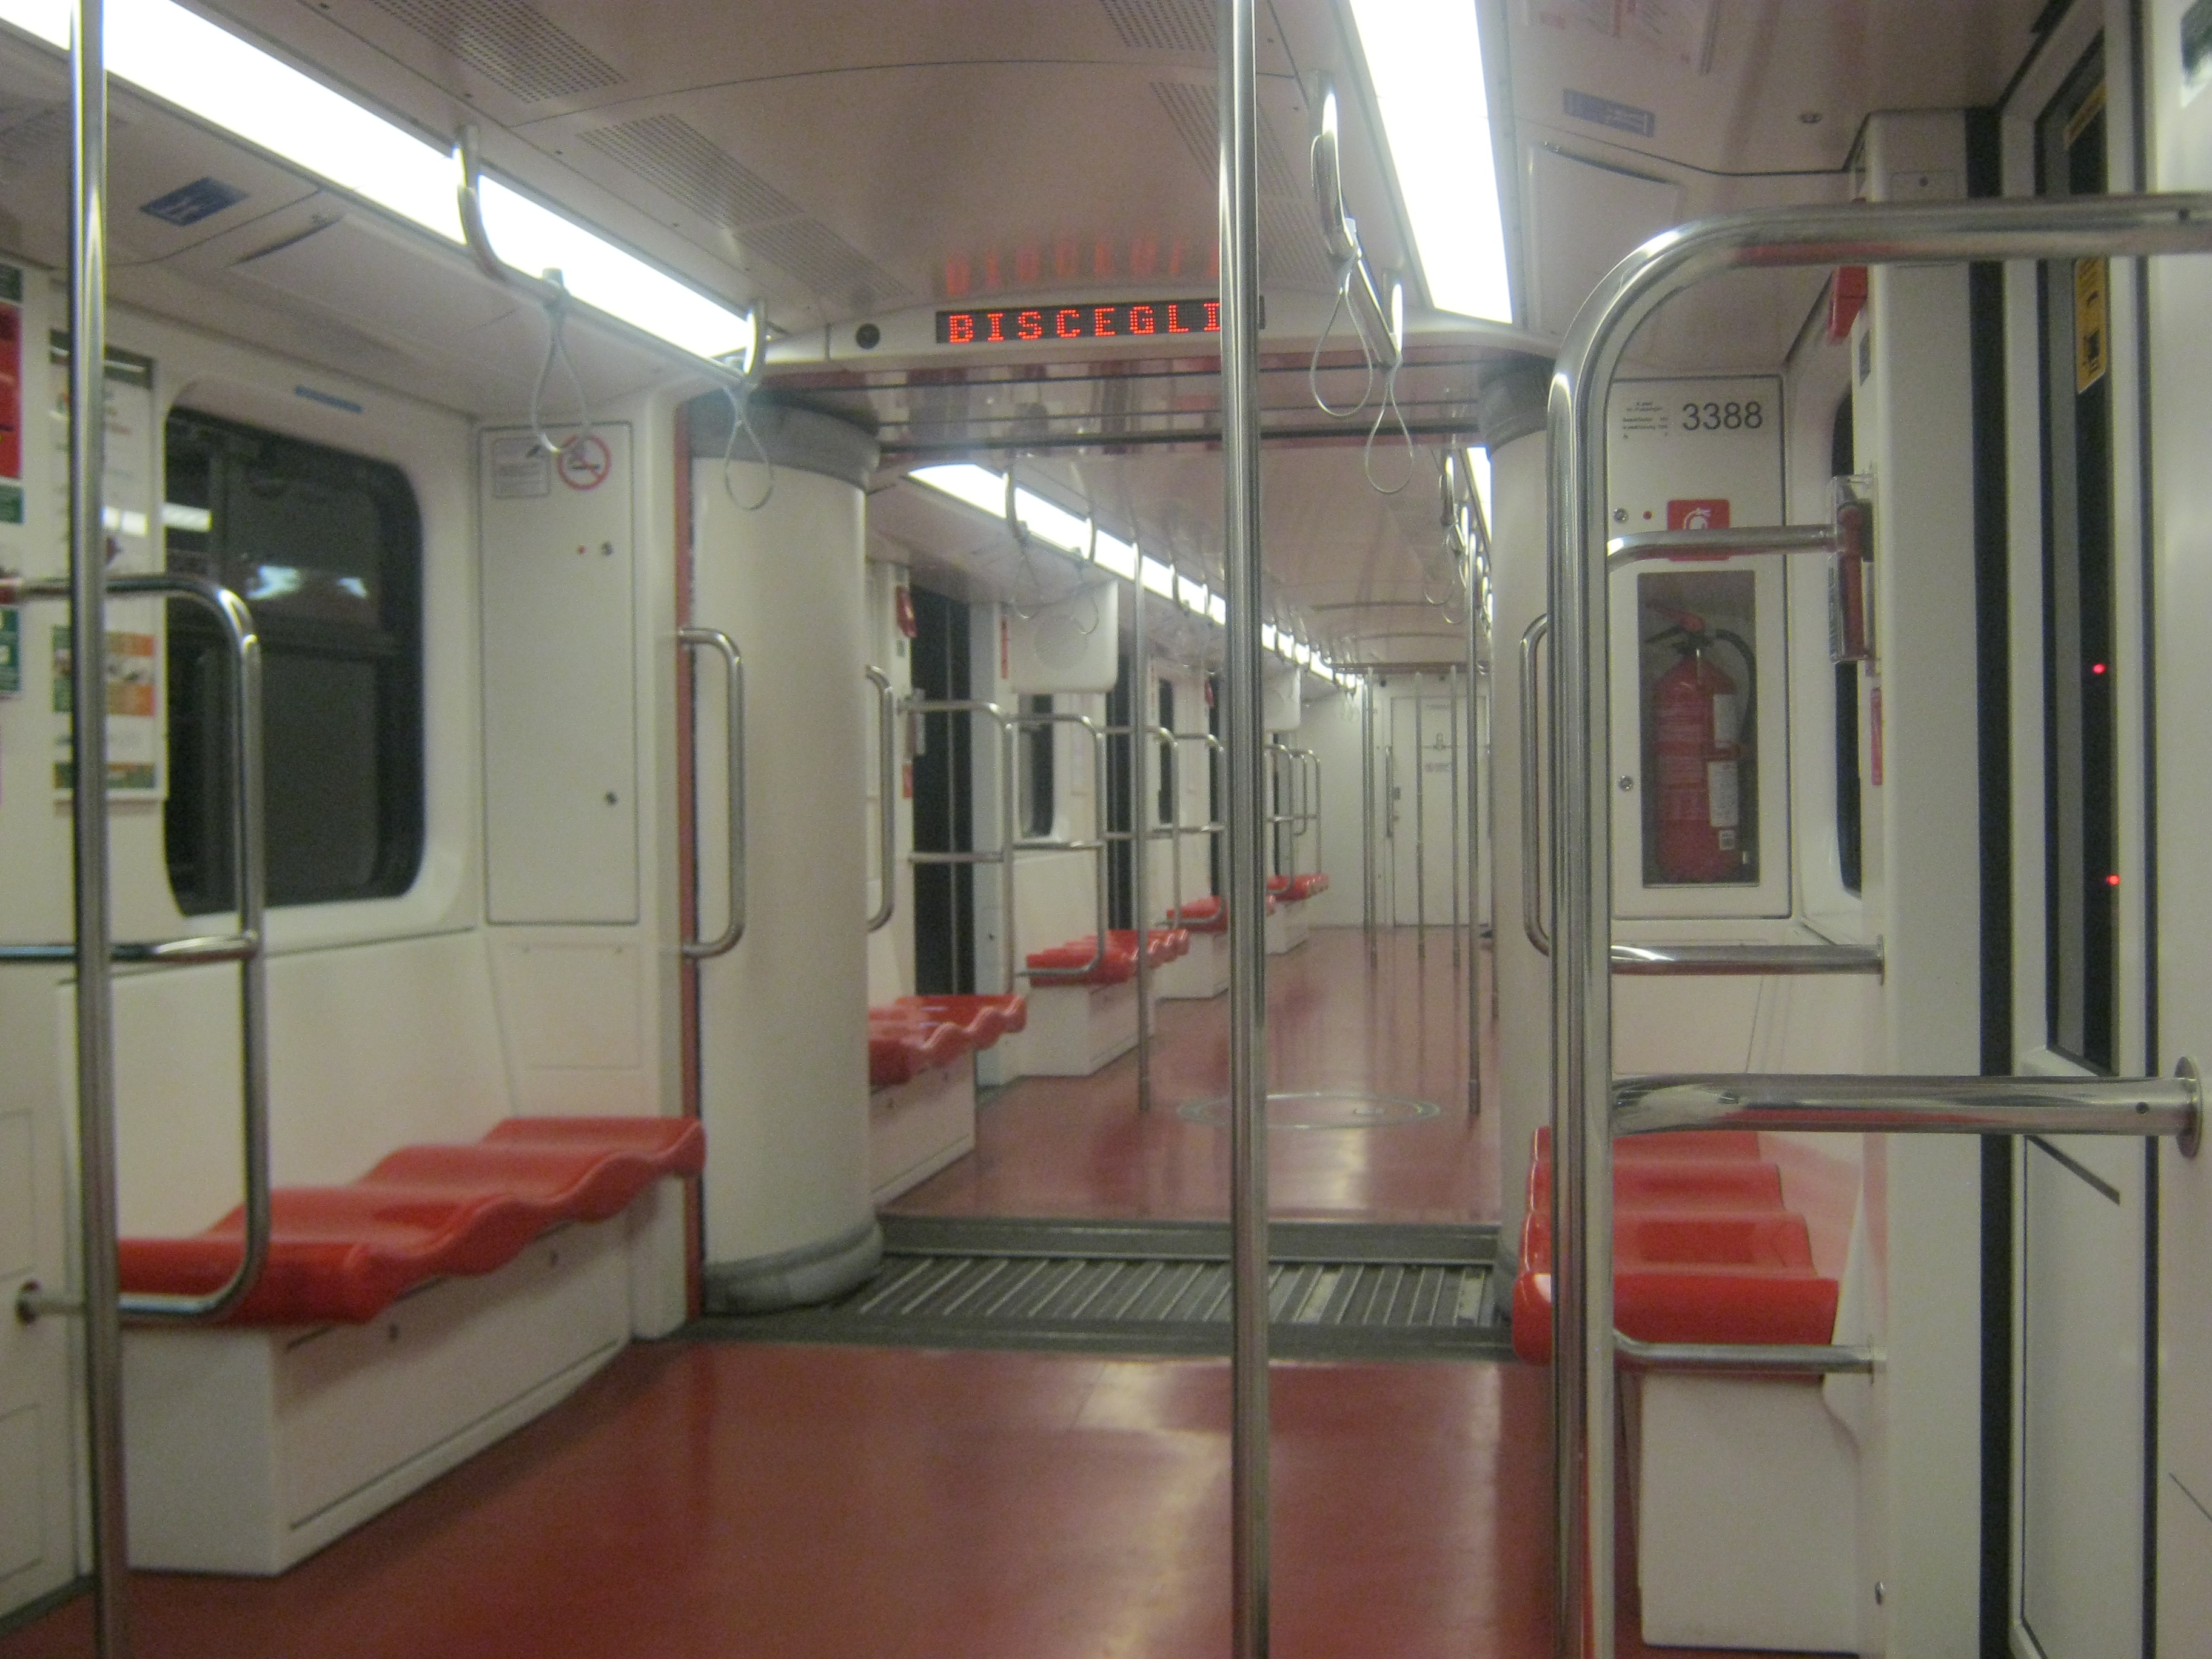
(1699, 722)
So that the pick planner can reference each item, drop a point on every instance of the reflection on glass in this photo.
(1698, 680)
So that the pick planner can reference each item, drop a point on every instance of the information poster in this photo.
(137, 738)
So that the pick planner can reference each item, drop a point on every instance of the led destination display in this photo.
(1092, 320)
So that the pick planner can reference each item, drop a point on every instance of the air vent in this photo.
(1184, 25)
(1290, 251)
(29, 134)
(830, 267)
(1192, 111)
(668, 151)
(509, 44)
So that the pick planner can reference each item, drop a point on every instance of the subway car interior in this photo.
(735, 921)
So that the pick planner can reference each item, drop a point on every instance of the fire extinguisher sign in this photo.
(1686, 455)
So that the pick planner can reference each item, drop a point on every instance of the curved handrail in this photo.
(1532, 808)
(886, 792)
(2124, 226)
(1101, 888)
(733, 666)
(249, 878)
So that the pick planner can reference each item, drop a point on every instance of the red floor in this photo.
(855, 1504)
(1075, 1147)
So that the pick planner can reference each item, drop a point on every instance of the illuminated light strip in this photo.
(1424, 58)
(232, 84)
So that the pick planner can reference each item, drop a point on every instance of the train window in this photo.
(1036, 749)
(2081, 732)
(1850, 847)
(1121, 808)
(944, 801)
(327, 549)
(1166, 751)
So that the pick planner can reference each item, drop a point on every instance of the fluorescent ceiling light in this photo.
(1118, 556)
(182, 57)
(1425, 59)
(982, 489)
(1217, 607)
(1064, 530)
(1267, 636)
(1159, 578)
(1478, 469)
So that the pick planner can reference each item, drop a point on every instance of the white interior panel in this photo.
(561, 823)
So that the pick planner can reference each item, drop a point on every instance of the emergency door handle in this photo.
(887, 801)
(1532, 820)
(734, 671)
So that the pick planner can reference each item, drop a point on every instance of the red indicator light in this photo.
(2111, 881)
(2096, 668)
(1094, 320)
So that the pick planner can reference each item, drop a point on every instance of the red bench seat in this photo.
(1070, 963)
(1295, 889)
(1208, 914)
(1705, 1249)
(917, 1034)
(344, 1254)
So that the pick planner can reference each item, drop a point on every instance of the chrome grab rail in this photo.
(469, 200)
(1886, 1104)
(887, 795)
(1737, 541)
(1746, 1359)
(1583, 1127)
(1004, 856)
(1102, 886)
(245, 947)
(733, 670)
(1532, 808)
(1733, 958)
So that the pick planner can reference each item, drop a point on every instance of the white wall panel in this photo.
(561, 818)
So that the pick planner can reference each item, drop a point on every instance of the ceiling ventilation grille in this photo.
(830, 267)
(1184, 25)
(1192, 111)
(1290, 252)
(676, 158)
(669, 151)
(31, 133)
(509, 44)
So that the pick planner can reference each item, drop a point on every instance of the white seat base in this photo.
(250, 1448)
(1747, 1517)
(1202, 973)
(917, 1127)
(1073, 1029)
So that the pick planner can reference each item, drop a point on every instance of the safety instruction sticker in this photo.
(2090, 342)
(520, 469)
(134, 713)
(11, 395)
(11, 652)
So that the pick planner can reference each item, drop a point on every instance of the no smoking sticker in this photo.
(584, 462)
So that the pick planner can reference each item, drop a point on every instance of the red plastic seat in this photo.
(1208, 914)
(1705, 1249)
(343, 1254)
(984, 1019)
(902, 1048)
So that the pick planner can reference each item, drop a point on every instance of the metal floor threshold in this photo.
(1342, 1291)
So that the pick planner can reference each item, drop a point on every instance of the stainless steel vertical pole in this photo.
(1238, 127)
(1420, 829)
(1475, 839)
(1451, 736)
(95, 1011)
(1367, 811)
(1141, 813)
